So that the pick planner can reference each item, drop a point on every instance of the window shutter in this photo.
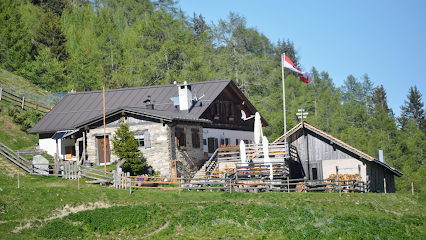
(147, 139)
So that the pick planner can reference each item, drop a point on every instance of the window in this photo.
(180, 137)
(237, 141)
(195, 138)
(143, 139)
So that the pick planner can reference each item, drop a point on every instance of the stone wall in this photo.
(161, 148)
(157, 155)
(191, 158)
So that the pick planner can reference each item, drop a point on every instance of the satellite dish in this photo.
(244, 116)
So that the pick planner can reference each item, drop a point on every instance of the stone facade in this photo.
(160, 149)
(190, 158)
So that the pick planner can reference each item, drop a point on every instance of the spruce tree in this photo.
(125, 146)
(413, 109)
(49, 33)
(16, 49)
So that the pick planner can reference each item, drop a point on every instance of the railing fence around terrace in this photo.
(245, 177)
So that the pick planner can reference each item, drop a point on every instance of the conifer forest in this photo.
(82, 45)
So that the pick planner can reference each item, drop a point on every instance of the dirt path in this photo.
(158, 230)
(66, 210)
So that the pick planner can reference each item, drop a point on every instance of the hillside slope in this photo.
(11, 132)
(17, 82)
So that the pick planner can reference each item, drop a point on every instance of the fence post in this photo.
(384, 182)
(23, 102)
(180, 185)
(288, 184)
(114, 179)
(359, 177)
(18, 181)
(338, 182)
(130, 182)
(1, 92)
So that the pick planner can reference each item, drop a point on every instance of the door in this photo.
(101, 150)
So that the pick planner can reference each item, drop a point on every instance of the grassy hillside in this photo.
(11, 132)
(53, 208)
(13, 80)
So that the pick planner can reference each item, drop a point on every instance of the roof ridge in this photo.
(142, 87)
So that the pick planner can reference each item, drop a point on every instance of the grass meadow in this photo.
(54, 208)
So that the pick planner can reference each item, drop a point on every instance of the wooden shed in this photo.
(317, 154)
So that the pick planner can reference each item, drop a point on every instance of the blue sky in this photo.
(385, 39)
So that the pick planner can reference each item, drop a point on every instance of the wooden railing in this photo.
(21, 101)
(276, 150)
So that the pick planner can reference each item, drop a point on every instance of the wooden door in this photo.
(101, 150)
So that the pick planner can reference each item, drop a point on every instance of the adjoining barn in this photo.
(177, 126)
(317, 154)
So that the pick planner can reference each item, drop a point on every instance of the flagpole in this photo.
(285, 122)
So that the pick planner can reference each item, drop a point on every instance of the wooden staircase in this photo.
(209, 165)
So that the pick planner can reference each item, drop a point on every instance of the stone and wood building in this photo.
(177, 126)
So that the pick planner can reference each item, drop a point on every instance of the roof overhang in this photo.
(152, 114)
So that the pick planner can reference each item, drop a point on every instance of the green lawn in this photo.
(166, 214)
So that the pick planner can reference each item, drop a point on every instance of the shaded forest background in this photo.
(64, 45)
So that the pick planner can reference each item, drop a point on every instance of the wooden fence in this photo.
(21, 102)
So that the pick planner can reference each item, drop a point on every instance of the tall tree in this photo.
(49, 33)
(413, 109)
(16, 49)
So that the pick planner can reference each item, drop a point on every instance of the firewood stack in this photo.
(346, 178)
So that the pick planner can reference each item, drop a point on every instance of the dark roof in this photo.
(75, 109)
(149, 113)
(339, 143)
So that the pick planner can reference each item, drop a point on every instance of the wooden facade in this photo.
(320, 153)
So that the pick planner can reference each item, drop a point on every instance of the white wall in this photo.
(224, 133)
(49, 145)
(346, 166)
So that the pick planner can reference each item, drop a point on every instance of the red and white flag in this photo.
(304, 76)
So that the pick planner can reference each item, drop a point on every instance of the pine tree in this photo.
(49, 33)
(16, 49)
(413, 109)
(125, 146)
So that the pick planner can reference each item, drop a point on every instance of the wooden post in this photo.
(230, 188)
(130, 182)
(412, 188)
(180, 185)
(1, 91)
(384, 183)
(84, 145)
(114, 178)
(23, 102)
(288, 185)
(105, 144)
(18, 181)
(338, 182)
(359, 177)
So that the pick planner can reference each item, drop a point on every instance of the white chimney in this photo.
(185, 97)
(381, 156)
